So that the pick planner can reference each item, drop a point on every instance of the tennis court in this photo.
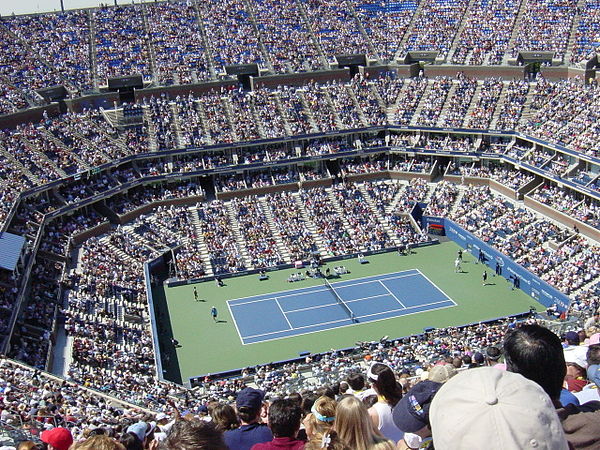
(332, 305)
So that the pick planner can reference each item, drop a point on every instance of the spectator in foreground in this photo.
(389, 393)
(411, 414)
(441, 373)
(224, 417)
(28, 445)
(355, 428)
(319, 422)
(576, 362)
(144, 431)
(99, 442)
(492, 355)
(58, 438)
(284, 421)
(131, 442)
(494, 409)
(537, 353)
(591, 392)
(571, 339)
(251, 431)
(356, 381)
(193, 435)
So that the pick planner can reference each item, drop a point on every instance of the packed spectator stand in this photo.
(100, 191)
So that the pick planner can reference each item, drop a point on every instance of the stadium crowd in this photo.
(98, 297)
(377, 375)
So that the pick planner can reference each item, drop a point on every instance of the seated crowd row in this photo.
(514, 385)
(184, 42)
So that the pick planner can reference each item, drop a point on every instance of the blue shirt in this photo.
(567, 398)
(244, 437)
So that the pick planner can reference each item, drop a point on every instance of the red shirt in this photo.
(575, 384)
(280, 443)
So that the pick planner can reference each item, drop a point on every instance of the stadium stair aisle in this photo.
(402, 45)
(42, 155)
(499, 105)
(573, 34)
(473, 103)
(524, 8)
(307, 111)
(384, 220)
(310, 224)
(273, 229)
(359, 110)
(204, 254)
(284, 116)
(63, 353)
(176, 125)
(458, 35)
(239, 238)
(152, 142)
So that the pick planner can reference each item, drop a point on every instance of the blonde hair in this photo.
(27, 445)
(354, 427)
(100, 442)
(315, 428)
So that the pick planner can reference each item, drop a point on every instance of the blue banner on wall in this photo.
(525, 280)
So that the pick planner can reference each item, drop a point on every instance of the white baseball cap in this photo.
(496, 410)
(576, 355)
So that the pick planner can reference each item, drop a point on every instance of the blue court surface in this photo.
(300, 311)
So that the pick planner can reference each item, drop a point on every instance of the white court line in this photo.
(336, 303)
(370, 281)
(276, 338)
(310, 307)
(318, 289)
(405, 309)
(314, 290)
(436, 286)
(346, 319)
(234, 322)
(397, 299)
(284, 315)
(365, 280)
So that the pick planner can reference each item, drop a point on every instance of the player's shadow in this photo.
(221, 321)
(490, 284)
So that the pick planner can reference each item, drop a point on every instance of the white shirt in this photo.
(386, 425)
(588, 394)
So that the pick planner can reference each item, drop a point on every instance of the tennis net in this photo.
(339, 300)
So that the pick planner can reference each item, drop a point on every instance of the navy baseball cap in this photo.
(412, 411)
(572, 337)
(250, 398)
